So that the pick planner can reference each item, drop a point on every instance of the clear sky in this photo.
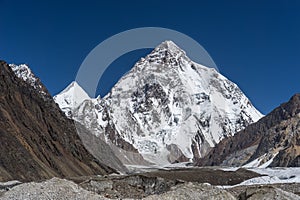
(254, 43)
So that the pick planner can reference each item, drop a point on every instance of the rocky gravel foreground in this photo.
(53, 189)
(57, 189)
(139, 187)
(194, 191)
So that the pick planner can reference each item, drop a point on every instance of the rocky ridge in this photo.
(274, 141)
(37, 141)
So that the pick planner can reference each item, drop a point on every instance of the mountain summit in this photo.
(171, 47)
(168, 108)
(71, 97)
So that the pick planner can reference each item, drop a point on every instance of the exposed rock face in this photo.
(273, 141)
(37, 141)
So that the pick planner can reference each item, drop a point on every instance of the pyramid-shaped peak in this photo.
(72, 96)
(70, 86)
(75, 88)
(170, 46)
(166, 52)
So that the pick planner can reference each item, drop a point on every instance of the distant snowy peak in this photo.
(24, 72)
(70, 98)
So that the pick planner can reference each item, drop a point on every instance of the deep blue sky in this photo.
(255, 43)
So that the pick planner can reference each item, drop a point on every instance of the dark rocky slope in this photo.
(278, 132)
(37, 141)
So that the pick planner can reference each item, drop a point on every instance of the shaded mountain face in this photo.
(167, 108)
(274, 141)
(37, 141)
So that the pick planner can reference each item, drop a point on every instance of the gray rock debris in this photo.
(193, 191)
(54, 189)
(267, 192)
(57, 189)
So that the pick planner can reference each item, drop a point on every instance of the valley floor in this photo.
(169, 183)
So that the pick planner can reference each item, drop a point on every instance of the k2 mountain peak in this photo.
(167, 107)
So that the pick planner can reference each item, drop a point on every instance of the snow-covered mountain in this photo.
(167, 107)
(71, 97)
